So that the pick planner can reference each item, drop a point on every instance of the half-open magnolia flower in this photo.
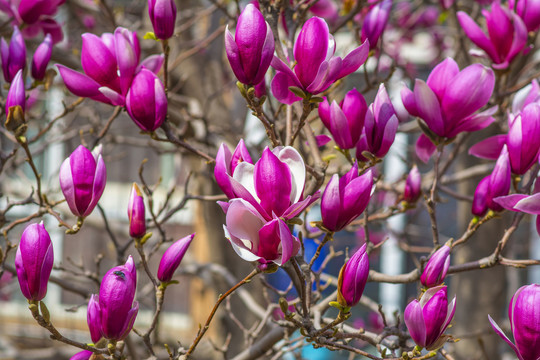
(256, 239)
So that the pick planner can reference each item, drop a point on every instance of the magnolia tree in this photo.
(316, 77)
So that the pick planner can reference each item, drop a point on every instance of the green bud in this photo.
(45, 312)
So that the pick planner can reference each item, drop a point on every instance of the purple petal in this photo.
(441, 76)
(424, 148)
(509, 201)
(477, 36)
(331, 204)
(339, 127)
(222, 170)
(233, 54)
(529, 204)
(267, 54)
(273, 183)
(280, 88)
(414, 319)
(429, 108)
(250, 37)
(354, 60)
(310, 49)
(326, 75)
(501, 333)
(471, 89)
(489, 148)
(81, 85)
(475, 122)
(407, 97)
(152, 63)
(480, 199)
(172, 258)
(98, 62)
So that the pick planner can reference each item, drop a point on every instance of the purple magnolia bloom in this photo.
(523, 147)
(250, 51)
(529, 11)
(110, 63)
(345, 198)
(34, 261)
(380, 127)
(256, 239)
(93, 318)
(375, 22)
(448, 100)
(34, 17)
(524, 315)
(82, 180)
(172, 257)
(353, 278)
(316, 66)
(274, 186)
(146, 101)
(163, 17)
(41, 58)
(136, 214)
(436, 267)
(346, 120)
(494, 185)
(507, 34)
(413, 186)
(115, 309)
(82, 355)
(428, 318)
(16, 94)
(13, 56)
(226, 163)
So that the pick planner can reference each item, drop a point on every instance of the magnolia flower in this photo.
(110, 63)
(82, 179)
(172, 257)
(346, 120)
(113, 311)
(446, 103)
(34, 261)
(251, 50)
(506, 30)
(345, 198)
(13, 56)
(316, 66)
(353, 278)
(274, 186)
(428, 318)
(254, 238)
(524, 315)
(436, 267)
